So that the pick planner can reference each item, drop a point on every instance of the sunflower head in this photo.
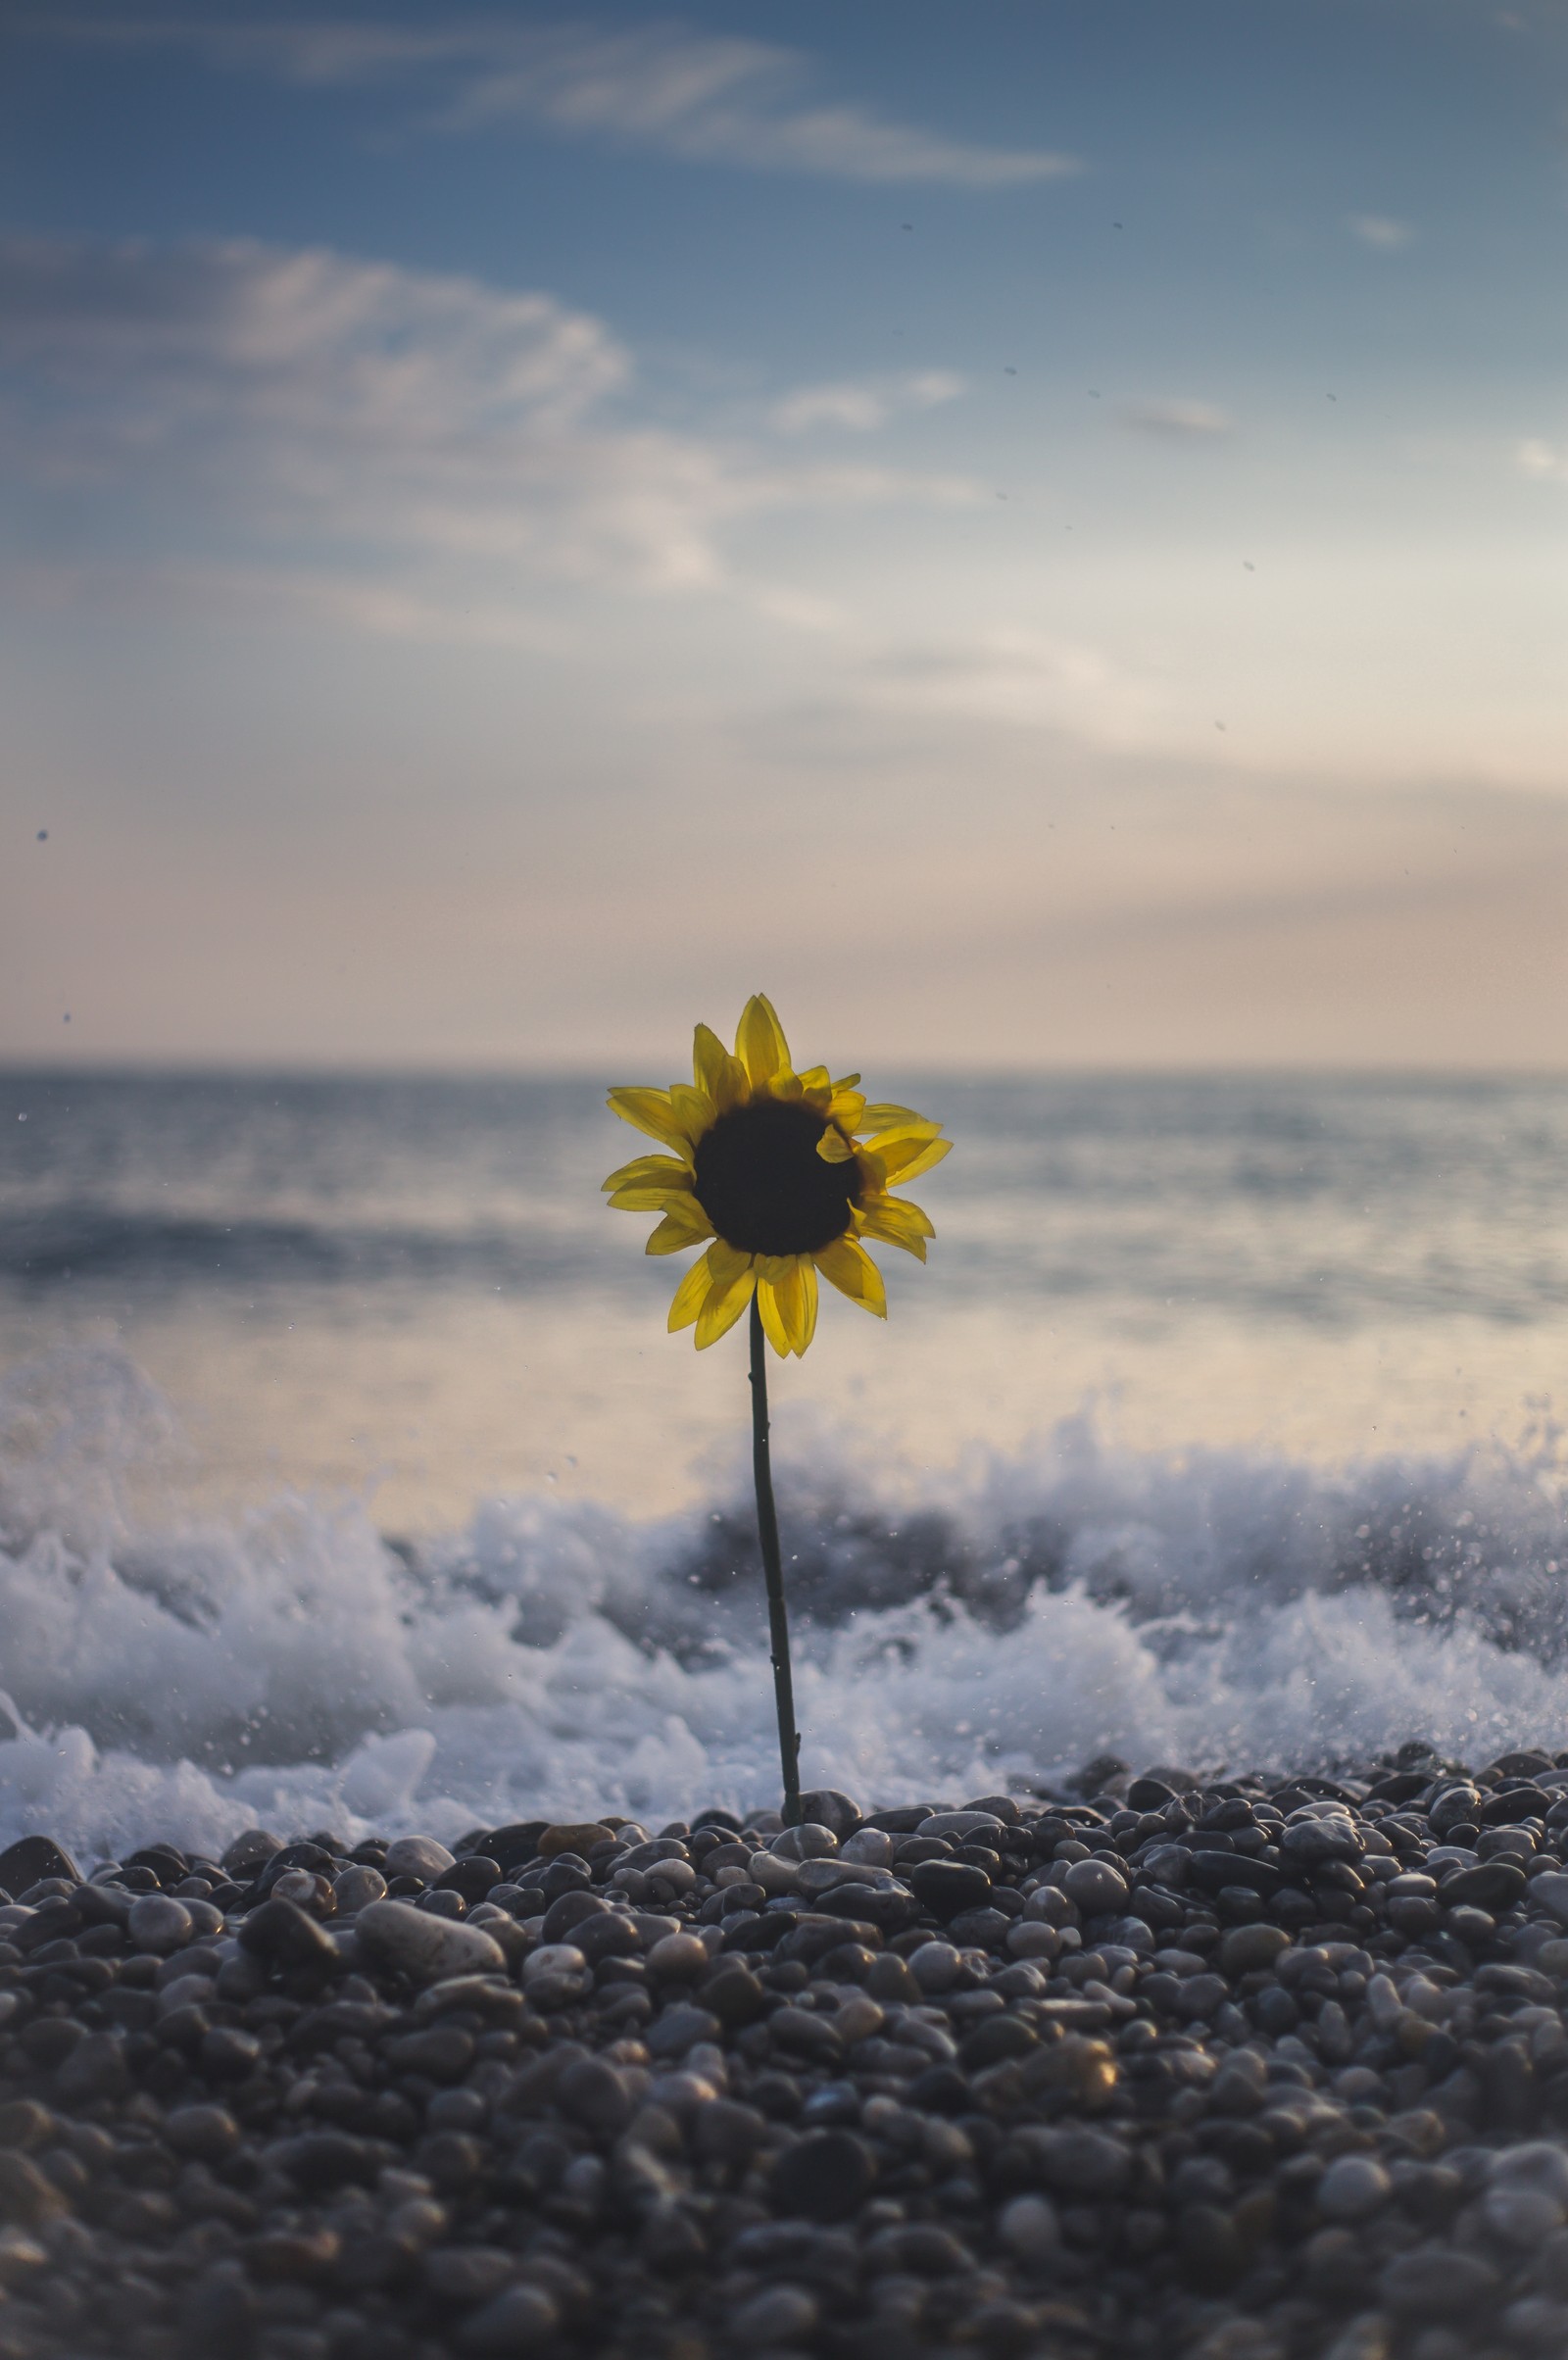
(784, 1172)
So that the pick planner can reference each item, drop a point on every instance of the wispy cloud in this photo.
(1378, 230)
(304, 415)
(1181, 422)
(667, 89)
(860, 409)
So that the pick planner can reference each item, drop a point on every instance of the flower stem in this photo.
(778, 1621)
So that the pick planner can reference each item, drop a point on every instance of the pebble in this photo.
(423, 1947)
(416, 1856)
(1250, 2070)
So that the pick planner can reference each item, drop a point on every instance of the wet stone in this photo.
(824, 2176)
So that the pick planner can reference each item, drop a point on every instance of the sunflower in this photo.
(786, 1172)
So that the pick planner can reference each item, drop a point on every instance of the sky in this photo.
(1031, 530)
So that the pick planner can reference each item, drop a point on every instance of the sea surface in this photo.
(348, 1476)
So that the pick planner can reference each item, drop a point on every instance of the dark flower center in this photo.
(764, 1187)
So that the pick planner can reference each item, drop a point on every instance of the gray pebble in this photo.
(159, 1923)
(1353, 2187)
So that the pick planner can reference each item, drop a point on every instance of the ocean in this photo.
(348, 1478)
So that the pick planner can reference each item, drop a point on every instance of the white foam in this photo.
(291, 1667)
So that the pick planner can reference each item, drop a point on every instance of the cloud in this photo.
(860, 409)
(665, 90)
(254, 407)
(1182, 422)
(1545, 460)
(1378, 230)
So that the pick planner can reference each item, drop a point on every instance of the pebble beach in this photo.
(1246, 2070)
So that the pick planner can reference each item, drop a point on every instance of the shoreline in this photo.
(1271, 2070)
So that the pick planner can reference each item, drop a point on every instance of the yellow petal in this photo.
(898, 1224)
(886, 1118)
(667, 1168)
(795, 1297)
(717, 1072)
(760, 1042)
(845, 1108)
(684, 1224)
(723, 1307)
(833, 1147)
(846, 1081)
(694, 1110)
(690, 1297)
(653, 1112)
(649, 1196)
(912, 1149)
(918, 1159)
(775, 1327)
(848, 1267)
(726, 1263)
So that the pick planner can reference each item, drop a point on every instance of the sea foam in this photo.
(992, 1627)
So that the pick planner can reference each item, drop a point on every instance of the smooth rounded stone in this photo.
(827, 1808)
(1030, 2230)
(808, 1842)
(578, 1836)
(1436, 2281)
(1308, 1842)
(1352, 2189)
(1492, 1885)
(521, 2320)
(592, 2092)
(185, 1990)
(1095, 1888)
(1550, 1891)
(206, 2134)
(33, 1858)
(1454, 1807)
(1078, 2164)
(357, 1888)
(287, 1934)
(1030, 1937)
(679, 2029)
(950, 1887)
(1367, 2337)
(250, 1853)
(465, 2274)
(868, 1847)
(26, 2196)
(1246, 1948)
(961, 1826)
(306, 1890)
(159, 1923)
(1527, 2191)
(678, 1958)
(725, 2131)
(425, 1948)
(823, 2176)
(918, 2249)
(553, 1959)
(95, 2068)
(1536, 2324)
(779, 2315)
(935, 1966)
(1049, 1905)
(567, 1911)
(416, 1856)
